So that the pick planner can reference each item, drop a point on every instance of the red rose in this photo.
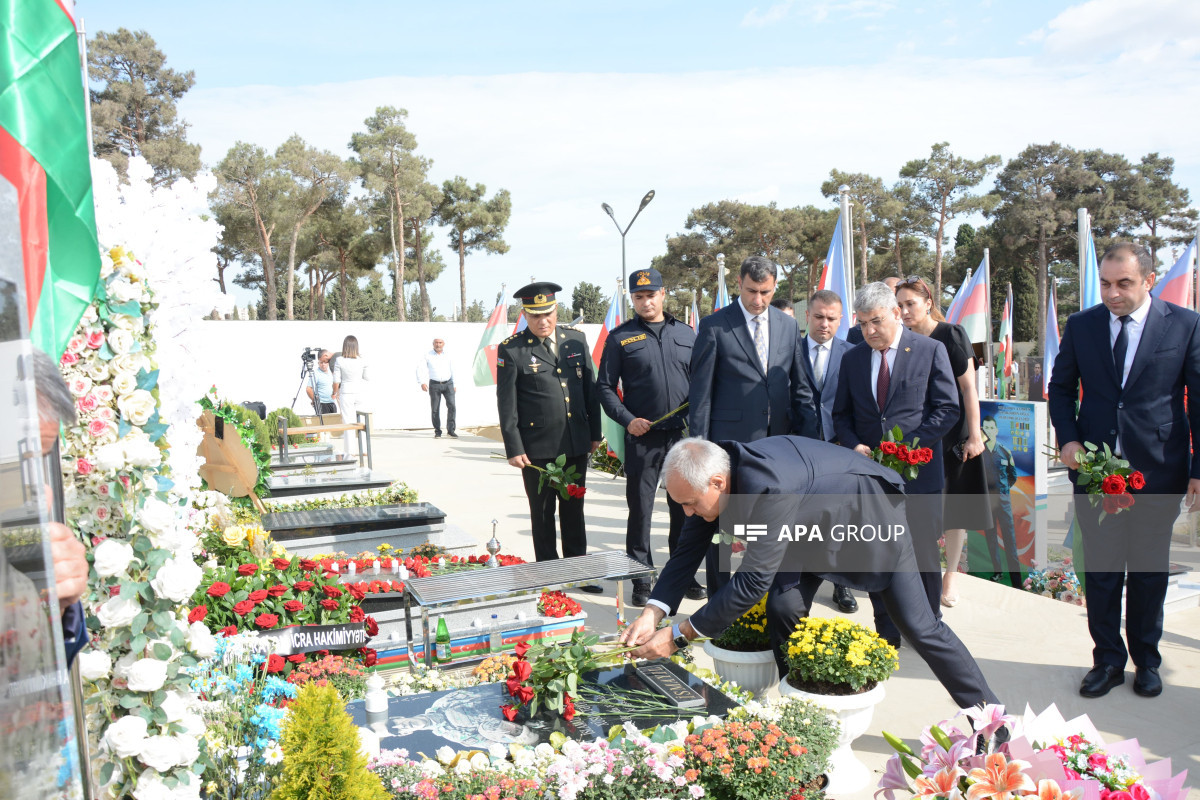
(266, 621)
(280, 563)
(1137, 481)
(372, 627)
(888, 448)
(521, 649)
(307, 564)
(329, 604)
(247, 569)
(1113, 484)
(218, 589)
(357, 614)
(522, 669)
(509, 712)
(513, 685)
(1138, 791)
(293, 606)
(902, 452)
(524, 694)
(322, 653)
(371, 658)
(296, 658)
(278, 590)
(228, 630)
(257, 596)
(926, 455)
(568, 708)
(356, 592)
(198, 613)
(274, 663)
(95, 339)
(243, 608)
(302, 586)
(332, 591)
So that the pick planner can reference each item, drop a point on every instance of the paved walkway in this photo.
(1033, 650)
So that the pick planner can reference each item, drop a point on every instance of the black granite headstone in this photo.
(470, 719)
(285, 525)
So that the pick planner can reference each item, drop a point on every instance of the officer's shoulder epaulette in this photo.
(511, 338)
(571, 328)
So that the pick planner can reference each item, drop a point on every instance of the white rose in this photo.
(147, 675)
(104, 394)
(108, 457)
(124, 363)
(201, 641)
(480, 761)
(80, 385)
(112, 558)
(445, 754)
(98, 372)
(121, 290)
(156, 516)
(178, 539)
(123, 383)
(187, 791)
(118, 612)
(177, 579)
(192, 722)
(125, 736)
(137, 407)
(140, 451)
(150, 786)
(430, 769)
(120, 341)
(463, 767)
(159, 752)
(94, 665)
(497, 751)
(189, 751)
(175, 705)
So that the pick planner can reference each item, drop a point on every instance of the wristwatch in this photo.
(678, 638)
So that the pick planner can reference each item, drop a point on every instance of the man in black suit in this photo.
(898, 378)
(795, 480)
(1133, 357)
(548, 406)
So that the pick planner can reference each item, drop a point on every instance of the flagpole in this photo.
(848, 246)
(1084, 229)
(87, 94)
(987, 281)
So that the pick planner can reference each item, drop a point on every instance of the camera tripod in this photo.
(307, 376)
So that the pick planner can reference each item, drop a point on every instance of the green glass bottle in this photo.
(442, 649)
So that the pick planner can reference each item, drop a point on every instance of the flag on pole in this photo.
(1052, 342)
(522, 323)
(44, 156)
(1176, 286)
(970, 305)
(1089, 290)
(1006, 342)
(837, 279)
(722, 298)
(493, 335)
(695, 316)
(612, 430)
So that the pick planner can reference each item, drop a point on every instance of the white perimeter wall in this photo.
(260, 360)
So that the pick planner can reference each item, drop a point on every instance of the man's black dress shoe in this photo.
(640, 595)
(1146, 682)
(695, 593)
(1100, 679)
(844, 599)
(592, 588)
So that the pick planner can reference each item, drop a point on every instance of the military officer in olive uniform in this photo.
(650, 357)
(546, 394)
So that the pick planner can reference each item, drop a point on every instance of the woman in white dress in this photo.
(349, 390)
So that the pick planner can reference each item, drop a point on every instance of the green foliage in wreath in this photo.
(254, 434)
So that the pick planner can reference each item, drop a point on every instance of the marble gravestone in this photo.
(470, 719)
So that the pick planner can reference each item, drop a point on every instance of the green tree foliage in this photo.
(420, 213)
(478, 312)
(866, 194)
(342, 235)
(904, 223)
(941, 184)
(588, 301)
(322, 760)
(1160, 204)
(475, 223)
(133, 97)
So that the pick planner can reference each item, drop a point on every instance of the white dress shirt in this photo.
(891, 357)
(1133, 333)
(818, 354)
(435, 367)
(750, 323)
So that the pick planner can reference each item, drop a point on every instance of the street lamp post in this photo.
(625, 277)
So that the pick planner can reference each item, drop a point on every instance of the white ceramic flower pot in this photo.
(854, 711)
(754, 671)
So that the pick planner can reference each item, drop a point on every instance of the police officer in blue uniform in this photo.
(649, 359)
(546, 396)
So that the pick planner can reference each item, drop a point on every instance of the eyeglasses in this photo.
(910, 280)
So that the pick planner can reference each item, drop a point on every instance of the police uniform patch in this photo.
(632, 339)
(499, 362)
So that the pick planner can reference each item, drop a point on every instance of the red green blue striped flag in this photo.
(44, 157)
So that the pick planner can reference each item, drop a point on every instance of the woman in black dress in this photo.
(966, 484)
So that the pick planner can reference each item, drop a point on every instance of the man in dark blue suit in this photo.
(821, 352)
(794, 480)
(897, 378)
(1133, 357)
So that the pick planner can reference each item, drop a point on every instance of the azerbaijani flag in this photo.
(970, 305)
(613, 432)
(522, 323)
(722, 298)
(493, 335)
(695, 316)
(1006, 340)
(1176, 286)
(835, 277)
(44, 158)
(1052, 341)
(1089, 290)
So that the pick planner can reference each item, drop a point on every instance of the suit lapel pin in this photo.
(907, 349)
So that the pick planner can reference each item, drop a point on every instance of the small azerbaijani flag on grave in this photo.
(614, 434)
(1052, 341)
(1006, 342)
(970, 305)
(1176, 286)
(836, 278)
(44, 158)
(493, 335)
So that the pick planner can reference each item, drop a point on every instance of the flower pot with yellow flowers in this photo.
(840, 665)
(742, 654)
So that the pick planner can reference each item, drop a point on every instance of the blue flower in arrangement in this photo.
(276, 688)
(258, 657)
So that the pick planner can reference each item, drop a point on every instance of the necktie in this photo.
(549, 342)
(760, 342)
(819, 367)
(881, 383)
(1120, 348)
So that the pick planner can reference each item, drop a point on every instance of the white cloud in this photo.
(775, 13)
(1146, 30)
(564, 143)
(816, 11)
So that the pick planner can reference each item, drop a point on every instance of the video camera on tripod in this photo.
(309, 356)
(307, 359)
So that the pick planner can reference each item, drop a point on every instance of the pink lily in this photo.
(943, 783)
(938, 759)
(989, 719)
(893, 778)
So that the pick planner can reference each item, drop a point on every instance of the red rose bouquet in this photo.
(905, 458)
(557, 604)
(1108, 479)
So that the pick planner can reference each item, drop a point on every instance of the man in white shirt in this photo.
(435, 373)
(323, 378)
